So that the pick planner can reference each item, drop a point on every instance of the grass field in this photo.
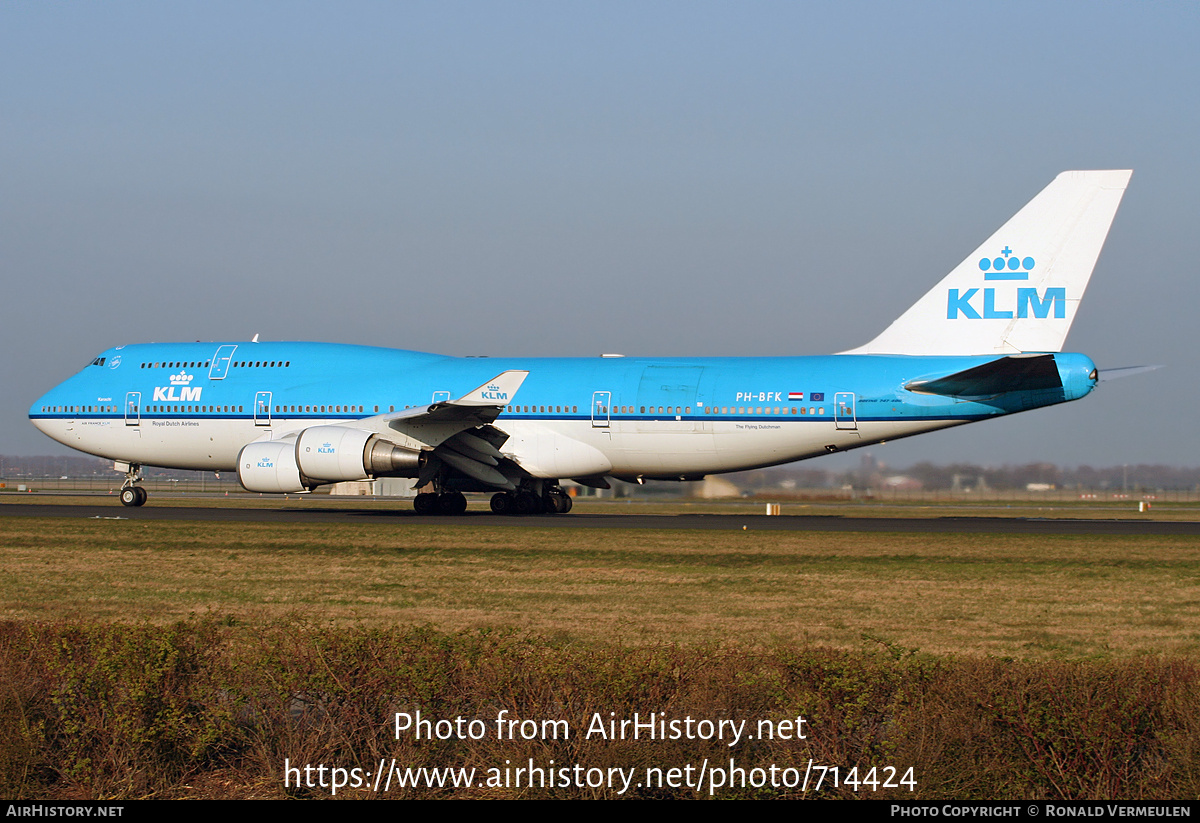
(1007, 595)
(948, 505)
(182, 659)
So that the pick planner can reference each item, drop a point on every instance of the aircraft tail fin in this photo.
(1019, 291)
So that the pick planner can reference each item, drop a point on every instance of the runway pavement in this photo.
(308, 513)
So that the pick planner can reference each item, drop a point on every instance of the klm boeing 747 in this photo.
(289, 417)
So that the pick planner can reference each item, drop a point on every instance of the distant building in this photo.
(380, 487)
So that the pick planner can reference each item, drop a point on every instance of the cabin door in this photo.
(601, 409)
(133, 408)
(262, 408)
(843, 411)
(220, 363)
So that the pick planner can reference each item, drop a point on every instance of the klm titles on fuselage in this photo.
(1007, 267)
(179, 391)
(185, 394)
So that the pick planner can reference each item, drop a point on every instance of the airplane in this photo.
(288, 417)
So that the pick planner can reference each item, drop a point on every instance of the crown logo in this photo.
(181, 379)
(1006, 267)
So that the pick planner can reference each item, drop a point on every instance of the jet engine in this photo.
(336, 453)
(270, 466)
(323, 454)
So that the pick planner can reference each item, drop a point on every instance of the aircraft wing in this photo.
(457, 434)
(477, 407)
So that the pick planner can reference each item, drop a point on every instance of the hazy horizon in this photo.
(534, 179)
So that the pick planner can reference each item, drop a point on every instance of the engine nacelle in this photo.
(332, 454)
(323, 454)
(270, 466)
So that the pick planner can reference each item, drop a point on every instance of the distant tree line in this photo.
(970, 476)
(75, 466)
(869, 475)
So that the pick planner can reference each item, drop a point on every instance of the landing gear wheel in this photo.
(528, 503)
(503, 503)
(556, 501)
(131, 493)
(426, 503)
(451, 503)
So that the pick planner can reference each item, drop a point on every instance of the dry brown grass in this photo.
(201, 709)
(1010, 595)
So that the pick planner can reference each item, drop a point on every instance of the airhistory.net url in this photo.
(706, 777)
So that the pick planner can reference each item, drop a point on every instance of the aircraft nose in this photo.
(41, 415)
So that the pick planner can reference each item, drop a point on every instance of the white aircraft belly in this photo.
(729, 445)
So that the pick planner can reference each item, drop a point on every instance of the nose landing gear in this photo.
(133, 496)
(131, 493)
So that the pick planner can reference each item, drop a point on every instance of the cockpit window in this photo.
(99, 361)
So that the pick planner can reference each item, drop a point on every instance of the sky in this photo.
(650, 178)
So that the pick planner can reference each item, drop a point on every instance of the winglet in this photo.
(481, 404)
(498, 391)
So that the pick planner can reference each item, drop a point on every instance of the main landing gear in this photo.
(522, 502)
(131, 493)
(447, 502)
(536, 497)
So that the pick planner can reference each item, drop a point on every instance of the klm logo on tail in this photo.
(1007, 266)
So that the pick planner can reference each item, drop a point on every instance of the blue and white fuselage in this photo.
(289, 416)
(653, 418)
